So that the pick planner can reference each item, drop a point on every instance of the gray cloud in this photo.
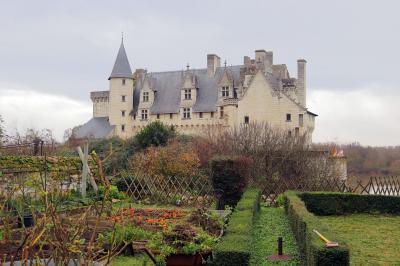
(67, 48)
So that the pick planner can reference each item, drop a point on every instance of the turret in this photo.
(121, 93)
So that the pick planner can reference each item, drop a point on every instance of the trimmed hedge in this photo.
(312, 248)
(333, 203)
(229, 178)
(235, 246)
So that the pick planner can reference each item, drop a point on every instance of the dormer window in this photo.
(188, 94)
(145, 96)
(225, 91)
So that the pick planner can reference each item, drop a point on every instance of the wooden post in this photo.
(91, 178)
(84, 168)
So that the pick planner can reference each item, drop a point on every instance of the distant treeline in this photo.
(369, 161)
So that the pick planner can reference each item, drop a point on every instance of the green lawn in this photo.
(372, 239)
(271, 224)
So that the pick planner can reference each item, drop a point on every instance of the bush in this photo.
(235, 246)
(229, 177)
(333, 203)
(155, 134)
(312, 249)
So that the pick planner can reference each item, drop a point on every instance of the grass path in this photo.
(271, 224)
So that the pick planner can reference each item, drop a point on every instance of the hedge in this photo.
(333, 203)
(312, 248)
(235, 246)
(229, 178)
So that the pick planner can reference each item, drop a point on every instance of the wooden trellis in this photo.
(185, 191)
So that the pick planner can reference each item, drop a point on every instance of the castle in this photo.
(195, 99)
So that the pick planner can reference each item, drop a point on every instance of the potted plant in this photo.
(183, 245)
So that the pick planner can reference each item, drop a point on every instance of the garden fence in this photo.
(181, 191)
(384, 185)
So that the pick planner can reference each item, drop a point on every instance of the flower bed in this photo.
(152, 219)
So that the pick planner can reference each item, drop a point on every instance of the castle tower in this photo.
(121, 94)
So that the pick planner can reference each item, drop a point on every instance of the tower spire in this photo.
(122, 68)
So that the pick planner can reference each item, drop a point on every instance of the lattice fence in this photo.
(385, 185)
(192, 191)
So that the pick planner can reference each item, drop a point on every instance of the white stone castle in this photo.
(196, 99)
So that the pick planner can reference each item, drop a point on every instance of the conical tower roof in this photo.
(121, 68)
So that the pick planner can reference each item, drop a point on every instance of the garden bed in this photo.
(365, 226)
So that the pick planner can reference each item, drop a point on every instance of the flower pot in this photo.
(186, 260)
(27, 221)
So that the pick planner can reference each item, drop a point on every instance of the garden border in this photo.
(235, 246)
(312, 249)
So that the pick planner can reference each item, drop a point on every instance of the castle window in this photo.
(212, 114)
(246, 120)
(288, 117)
(235, 93)
(296, 131)
(123, 113)
(158, 116)
(200, 115)
(134, 116)
(225, 91)
(145, 96)
(170, 116)
(188, 94)
(186, 113)
(289, 133)
(221, 112)
(123, 82)
(144, 114)
(301, 120)
(122, 128)
(123, 98)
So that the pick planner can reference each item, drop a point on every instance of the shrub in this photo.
(235, 246)
(113, 193)
(333, 203)
(313, 250)
(229, 177)
(154, 134)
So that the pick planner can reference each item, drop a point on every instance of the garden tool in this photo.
(328, 243)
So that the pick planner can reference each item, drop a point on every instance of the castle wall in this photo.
(259, 104)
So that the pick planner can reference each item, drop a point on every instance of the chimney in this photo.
(246, 61)
(265, 59)
(213, 61)
(301, 82)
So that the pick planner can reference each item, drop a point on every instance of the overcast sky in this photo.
(53, 53)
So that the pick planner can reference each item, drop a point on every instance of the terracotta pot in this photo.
(186, 260)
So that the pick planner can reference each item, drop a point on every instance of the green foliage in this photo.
(118, 150)
(36, 163)
(272, 224)
(113, 193)
(124, 234)
(235, 247)
(229, 177)
(311, 247)
(154, 134)
(332, 203)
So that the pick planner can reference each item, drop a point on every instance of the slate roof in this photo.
(168, 85)
(122, 68)
(95, 128)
